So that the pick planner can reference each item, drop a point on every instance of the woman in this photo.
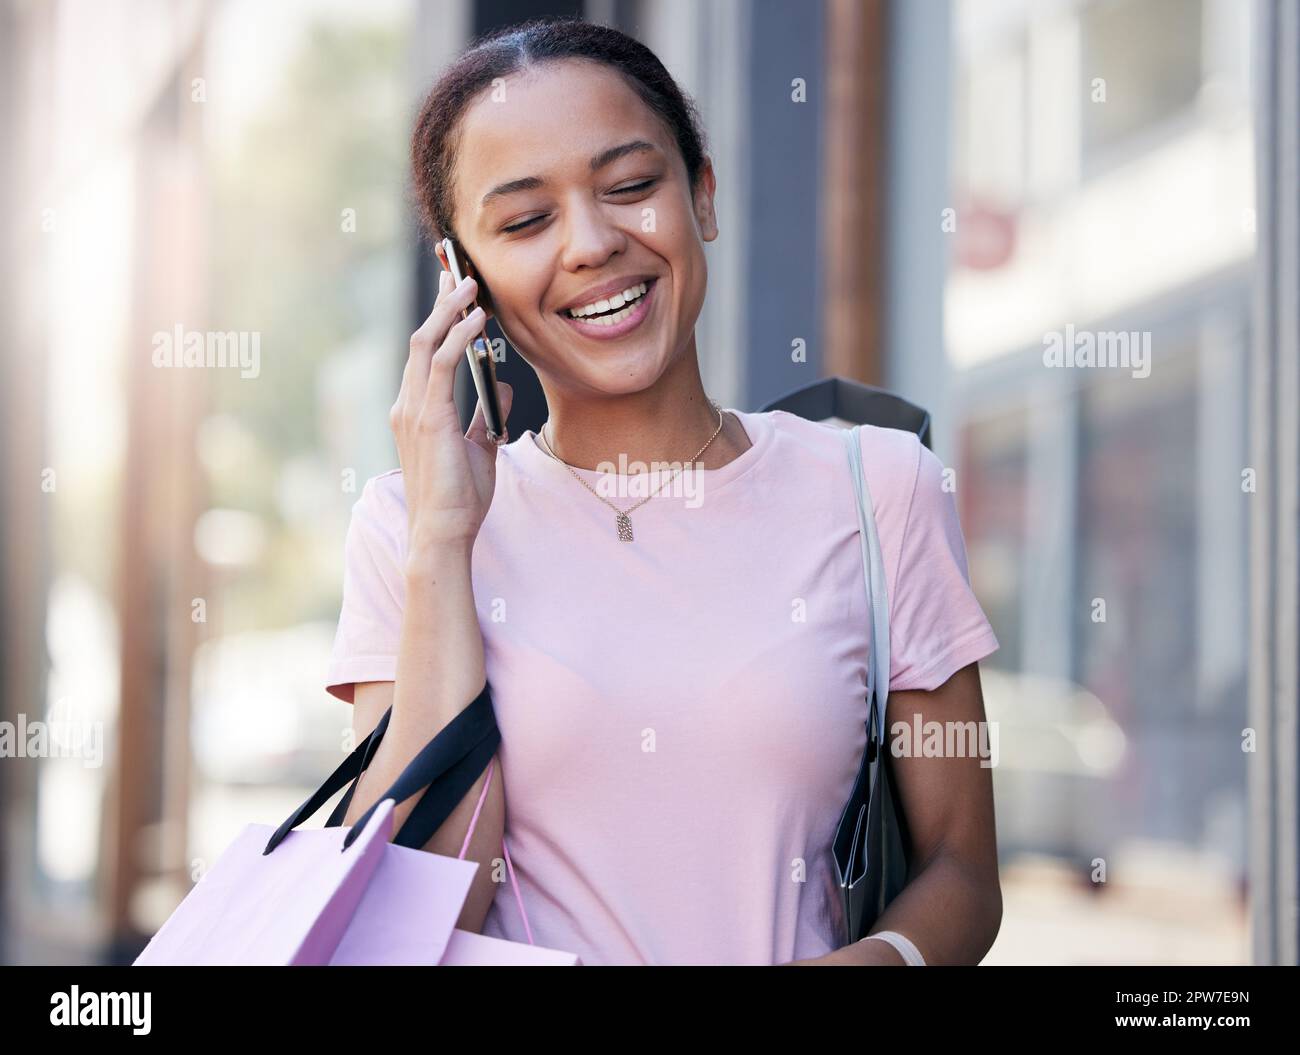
(680, 693)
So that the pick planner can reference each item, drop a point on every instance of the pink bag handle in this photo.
(509, 868)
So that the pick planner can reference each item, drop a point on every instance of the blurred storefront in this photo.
(1103, 161)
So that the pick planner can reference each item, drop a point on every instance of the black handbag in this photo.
(871, 843)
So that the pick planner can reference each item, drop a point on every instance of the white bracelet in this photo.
(910, 953)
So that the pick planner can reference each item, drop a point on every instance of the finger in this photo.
(451, 301)
(446, 309)
(415, 375)
(441, 385)
(478, 426)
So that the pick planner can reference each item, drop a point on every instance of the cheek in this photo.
(690, 269)
(517, 294)
(677, 242)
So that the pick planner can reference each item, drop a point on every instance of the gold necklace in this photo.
(624, 522)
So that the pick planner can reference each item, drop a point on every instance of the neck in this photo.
(668, 422)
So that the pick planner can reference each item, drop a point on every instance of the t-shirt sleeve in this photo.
(936, 623)
(374, 592)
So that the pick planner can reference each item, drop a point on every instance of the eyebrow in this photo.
(605, 157)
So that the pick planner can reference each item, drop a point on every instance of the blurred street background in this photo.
(923, 192)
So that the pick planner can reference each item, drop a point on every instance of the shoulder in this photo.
(892, 459)
(821, 436)
(912, 479)
(380, 510)
(387, 490)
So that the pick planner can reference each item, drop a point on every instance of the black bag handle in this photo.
(422, 810)
(442, 798)
(371, 742)
(444, 764)
(348, 769)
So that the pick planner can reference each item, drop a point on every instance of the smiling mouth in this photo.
(614, 321)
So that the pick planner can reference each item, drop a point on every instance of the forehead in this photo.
(548, 121)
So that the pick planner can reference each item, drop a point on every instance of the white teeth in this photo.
(609, 320)
(618, 300)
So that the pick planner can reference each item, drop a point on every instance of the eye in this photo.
(630, 189)
(520, 226)
(634, 187)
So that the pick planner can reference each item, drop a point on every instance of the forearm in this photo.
(950, 911)
(440, 670)
(440, 666)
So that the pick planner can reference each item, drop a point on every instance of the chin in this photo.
(611, 373)
(621, 384)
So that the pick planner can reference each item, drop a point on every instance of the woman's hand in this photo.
(448, 477)
(860, 954)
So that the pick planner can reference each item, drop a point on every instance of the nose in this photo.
(590, 239)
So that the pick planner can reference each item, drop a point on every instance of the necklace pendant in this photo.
(624, 523)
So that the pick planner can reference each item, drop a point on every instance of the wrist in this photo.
(431, 552)
(871, 952)
(898, 948)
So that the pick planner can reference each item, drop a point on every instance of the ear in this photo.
(705, 217)
(483, 298)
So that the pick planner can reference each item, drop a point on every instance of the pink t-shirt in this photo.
(682, 716)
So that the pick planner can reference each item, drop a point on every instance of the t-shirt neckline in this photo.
(758, 427)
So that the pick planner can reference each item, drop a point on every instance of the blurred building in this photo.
(1104, 176)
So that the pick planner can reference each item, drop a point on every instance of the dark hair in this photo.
(511, 49)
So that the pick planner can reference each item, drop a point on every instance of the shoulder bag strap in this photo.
(873, 566)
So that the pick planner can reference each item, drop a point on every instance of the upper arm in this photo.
(374, 591)
(370, 700)
(937, 625)
(946, 796)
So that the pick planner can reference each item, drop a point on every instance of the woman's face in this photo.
(569, 219)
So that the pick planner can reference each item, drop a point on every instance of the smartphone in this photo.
(479, 353)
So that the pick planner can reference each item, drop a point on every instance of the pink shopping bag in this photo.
(380, 936)
(298, 905)
(353, 896)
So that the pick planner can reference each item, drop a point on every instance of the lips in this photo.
(590, 327)
(606, 291)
